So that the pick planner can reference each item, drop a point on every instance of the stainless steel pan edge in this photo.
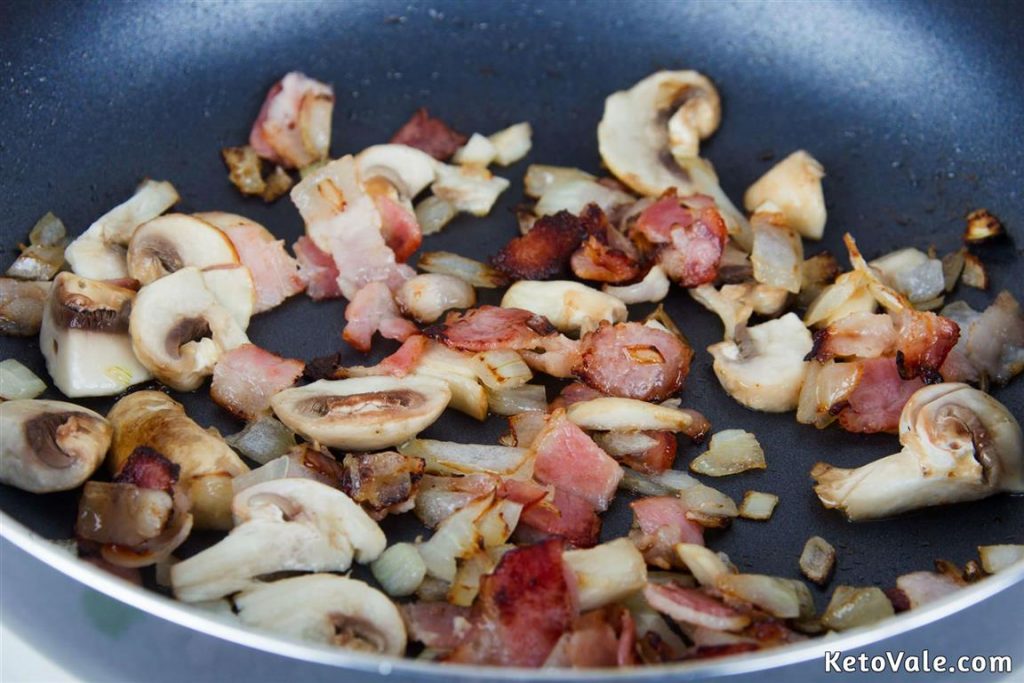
(1007, 586)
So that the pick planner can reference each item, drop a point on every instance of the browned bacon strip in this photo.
(877, 401)
(317, 270)
(429, 134)
(925, 339)
(491, 327)
(633, 360)
(660, 523)
(247, 376)
(381, 482)
(688, 235)
(543, 252)
(566, 516)
(148, 469)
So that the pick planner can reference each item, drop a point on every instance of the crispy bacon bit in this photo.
(382, 482)
(633, 360)
(246, 377)
(877, 401)
(570, 460)
(372, 310)
(430, 135)
(925, 339)
(566, 516)
(598, 262)
(658, 457)
(289, 129)
(274, 272)
(148, 469)
(857, 335)
(399, 226)
(491, 327)
(522, 610)
(440, 626)
(543, 252)
(659, 524)
(688, 234)
(317, 270)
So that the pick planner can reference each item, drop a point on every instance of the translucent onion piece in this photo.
(730, 452)
(667, 483)
(619, 444)
(446, 457)
(817, 560)
(466, 585)
(705, 565)
(758, 505)
(607, 573)
(779, 597)
(433, 213)
(474, 272)
(512, 144)
(472, 189)
(501, 369)
(17, 381)
(707, 506)
(574, 195)
(399, 570)
(478, 151)
(974, 274)
(539, 178)
(456, 537)
(852, 607)
(516, 400)
(952, 266)
(627, 414)
(263, 440)
(652, 288)
(996, 558)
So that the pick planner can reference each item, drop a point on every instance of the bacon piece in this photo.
(598, 262)
(317, 270)
(659, 524)
(430, 135)
(877, 401)
(633, 360)
(285, 132)
(570, 460)
(522, 610)
(857, 335)
(658, 457)
(400, 228)
(925, 339)
(247, 376)
(149, 469)
(694, 606)
(556, 355)
(566, 516)
(599, 638)
(543, 252)
(372, 310)
(382, 482)
(689, 234)
(991, 343)
(575, 392)
(522, 491)
(491, 327)
(274, 272)
(440, 626)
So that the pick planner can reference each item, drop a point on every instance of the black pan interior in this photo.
(914, 108)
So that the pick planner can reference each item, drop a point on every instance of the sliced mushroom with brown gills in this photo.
(169, 243)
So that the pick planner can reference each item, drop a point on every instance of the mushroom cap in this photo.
(235, 289)
(179, 330)
(50, 445)
(570, 306)
(408, 169)
(765, 368)
(169, 243)
(362, 413)
(793, 185)
(325, 608)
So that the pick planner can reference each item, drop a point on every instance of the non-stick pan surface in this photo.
(915, 109)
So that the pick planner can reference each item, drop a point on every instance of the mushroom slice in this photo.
(426, 297)
(280, 525)
(959, 444)
(569, 306)
(84, 337)
(630, 415)
(234, 288)
(764, 367)
(362, 413)
(329, 609)
(793, 185)
(154, 419)
(50, 445)
(99, 252)
(408, 169)
(169, 243)
(778, 254)
(540, 178)
(179, 330)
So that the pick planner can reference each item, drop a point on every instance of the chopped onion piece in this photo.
(466, 585)
(525, 427)
(446, 457)
(474, 272)
(730, 452)
(498, 522)
(574, 195)
(974, 274)
(607, 573)
(817, 560)
(982, 226)
(17, 381)
(278, 184)
(399, 570)
(501, 369)
(472, 189)
(705, 565)
(263, 440)
(540, 178)
(512, 144)
(478, 151)
(433, 213)
(652, 288)
(920, 588)
(620, 444)
(912, 273)
(453, 368)
(707, 506)
(434, 505)
(852, 607)
(952, 266)
(433, 590)
(456, 537)
(848, 294)
(513, 401)
(627, 414)
(758, 505)
(44, 254)
(996, 558)
(667, 483)
(778, 253)
(779, 597)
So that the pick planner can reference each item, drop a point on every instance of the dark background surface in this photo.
(915, 110)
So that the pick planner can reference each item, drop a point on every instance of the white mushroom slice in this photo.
(539, 178)
(169, 243)
(99, 252)
(793, 185)
(765, 368)
(154, 419)
(778, 254)
(280, 525)
(235, 290)
(362, 413)
(472, 189)
(651, 289)
(408, 169)
(513, 143)
(179, 330)
(959, 444)
(569, 306)
(734, 312)
(478, 151)
(323, 608)
(607, 573)
(426, 297)
(627, 414)
(84, 337)
(50, 445)
(574, 195)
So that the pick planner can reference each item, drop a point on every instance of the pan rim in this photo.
(163, 607)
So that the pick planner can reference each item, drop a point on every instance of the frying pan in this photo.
(914, 108)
